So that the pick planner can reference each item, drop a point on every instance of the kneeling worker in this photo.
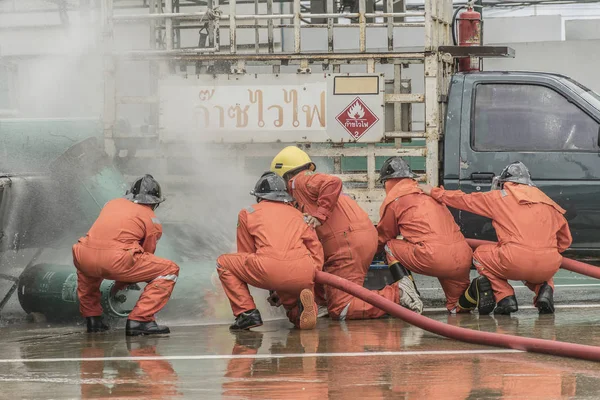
(431, 243)
(120, 246)
(531, 230)
(277, 251)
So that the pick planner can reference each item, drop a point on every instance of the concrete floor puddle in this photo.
(384, 358)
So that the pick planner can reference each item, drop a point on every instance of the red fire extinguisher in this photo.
(469, 34)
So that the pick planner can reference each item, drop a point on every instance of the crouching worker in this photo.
(120, 246)
(431, 243)
(348, 236)
(277, 251)
(531, 230)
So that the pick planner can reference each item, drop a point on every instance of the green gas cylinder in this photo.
(51, 290)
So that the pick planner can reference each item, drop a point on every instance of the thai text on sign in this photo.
(244, 107)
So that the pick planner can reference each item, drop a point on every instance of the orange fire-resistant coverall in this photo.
(349, 241)
(531, 230)
(277, 251)
(120, 246)
(433, 244)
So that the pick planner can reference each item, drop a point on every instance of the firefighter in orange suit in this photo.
(120, 246)
(431, 243)
(277, 251)
(348, 236)
(532, 233)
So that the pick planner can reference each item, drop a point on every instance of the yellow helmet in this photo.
(291, 159)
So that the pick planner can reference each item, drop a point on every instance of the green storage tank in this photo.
(51, 290)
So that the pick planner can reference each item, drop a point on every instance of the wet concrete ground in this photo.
(348, 360)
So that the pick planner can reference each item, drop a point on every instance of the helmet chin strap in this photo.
(293, 172)
(496, 184)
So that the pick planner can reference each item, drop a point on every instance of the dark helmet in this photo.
(272, 187)
(145, 190)
(395, 167)
(515, 172)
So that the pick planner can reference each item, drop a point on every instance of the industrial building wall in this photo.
(582, 29)
(523, 29)
(574, 58)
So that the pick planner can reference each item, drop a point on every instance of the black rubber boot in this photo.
(137, 328)
(479, 294)
(247, 320)
(398, 272)
(96, 324)
(507, 305)
(545, 299)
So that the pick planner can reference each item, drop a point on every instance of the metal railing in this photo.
(297, 21)
(436, 21)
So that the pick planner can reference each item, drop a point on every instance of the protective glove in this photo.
(273, 299)
(409, 297)
(312, 221)
(426, 188)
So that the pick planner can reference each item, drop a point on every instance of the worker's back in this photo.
(278, 230)
(408, 211)
(122, 221)
(532, 224)
(423, 219)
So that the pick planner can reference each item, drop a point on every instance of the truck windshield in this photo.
(587, 94)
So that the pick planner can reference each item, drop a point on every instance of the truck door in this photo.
(546, 124)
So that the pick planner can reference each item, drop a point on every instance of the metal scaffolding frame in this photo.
(436, 20)
(166, 19)
(219, 52)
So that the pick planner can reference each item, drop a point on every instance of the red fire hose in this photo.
(552, 347)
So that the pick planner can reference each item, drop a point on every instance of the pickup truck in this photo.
(549, 122)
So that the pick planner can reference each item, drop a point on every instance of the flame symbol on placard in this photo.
(356, 111)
